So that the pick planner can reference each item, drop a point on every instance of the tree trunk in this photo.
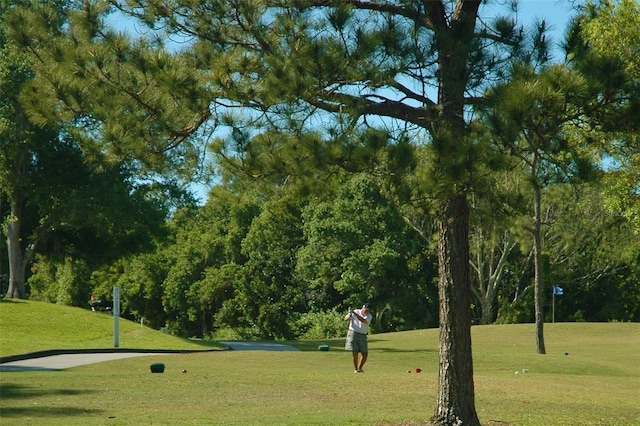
(16, 260)
(537, 260)
(456, 394)
(486, 304)
(489, 270)
(456, 404)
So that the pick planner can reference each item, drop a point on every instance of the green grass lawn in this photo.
(596, 383)
(29, 326)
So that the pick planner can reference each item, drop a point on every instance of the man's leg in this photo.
(355, 359)
(363, 360)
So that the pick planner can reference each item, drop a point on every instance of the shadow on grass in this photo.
(338, 344)
(4, 368)
(312, 345)
(11, 391)
(2, 300)
(45, 412)
(404, 350)
(378, 348)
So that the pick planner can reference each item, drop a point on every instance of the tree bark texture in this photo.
(538, 291)
(16, 261)
(456, 394)
(456, 404)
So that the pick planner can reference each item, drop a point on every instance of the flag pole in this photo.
(116, 316)
(553, 305)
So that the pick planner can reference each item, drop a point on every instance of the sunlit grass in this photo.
(596, 383)
(28, 326)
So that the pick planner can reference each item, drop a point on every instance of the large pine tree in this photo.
(418, 67)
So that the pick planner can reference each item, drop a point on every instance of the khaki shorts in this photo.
(356, 342)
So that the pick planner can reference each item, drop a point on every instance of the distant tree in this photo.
(64, 205)
(593, 256)
(204, 243)
(39, 170)
(499, 205)
(604, 45)
(65, 282)
(140, 278)
(360, 249)
(491, 248)
(272, 293)
(19, 142)
(613, 29)
(533, 120)
(101, 216)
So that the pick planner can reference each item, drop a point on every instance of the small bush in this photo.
(319, 325)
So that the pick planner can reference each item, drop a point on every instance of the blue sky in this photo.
(556, 13)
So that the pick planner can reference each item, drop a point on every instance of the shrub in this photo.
(319, 325)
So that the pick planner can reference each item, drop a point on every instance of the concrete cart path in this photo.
(62, 361)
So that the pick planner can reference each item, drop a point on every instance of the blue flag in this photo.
(558, 291)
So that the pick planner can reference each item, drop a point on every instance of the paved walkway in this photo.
(62, 361)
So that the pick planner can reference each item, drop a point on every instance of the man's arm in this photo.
(348, 316)
(361, 318)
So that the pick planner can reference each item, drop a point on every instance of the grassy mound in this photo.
(29, 326)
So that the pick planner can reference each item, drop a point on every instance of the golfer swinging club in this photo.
(359, 320)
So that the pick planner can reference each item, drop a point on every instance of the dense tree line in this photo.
(429, 161)
(260, 268)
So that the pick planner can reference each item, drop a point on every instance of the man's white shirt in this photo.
(360, 326)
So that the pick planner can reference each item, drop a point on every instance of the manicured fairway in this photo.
(597, 382)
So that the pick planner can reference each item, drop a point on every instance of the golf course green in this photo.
(589, 376)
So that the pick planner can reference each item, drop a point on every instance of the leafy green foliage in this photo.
(320, 325)
(139, 279)
(603, 43)
(360, 250)
(69, 207)
(595, 266)
(84, 72)
(270, 246)
(612, 29)
(65, 282)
